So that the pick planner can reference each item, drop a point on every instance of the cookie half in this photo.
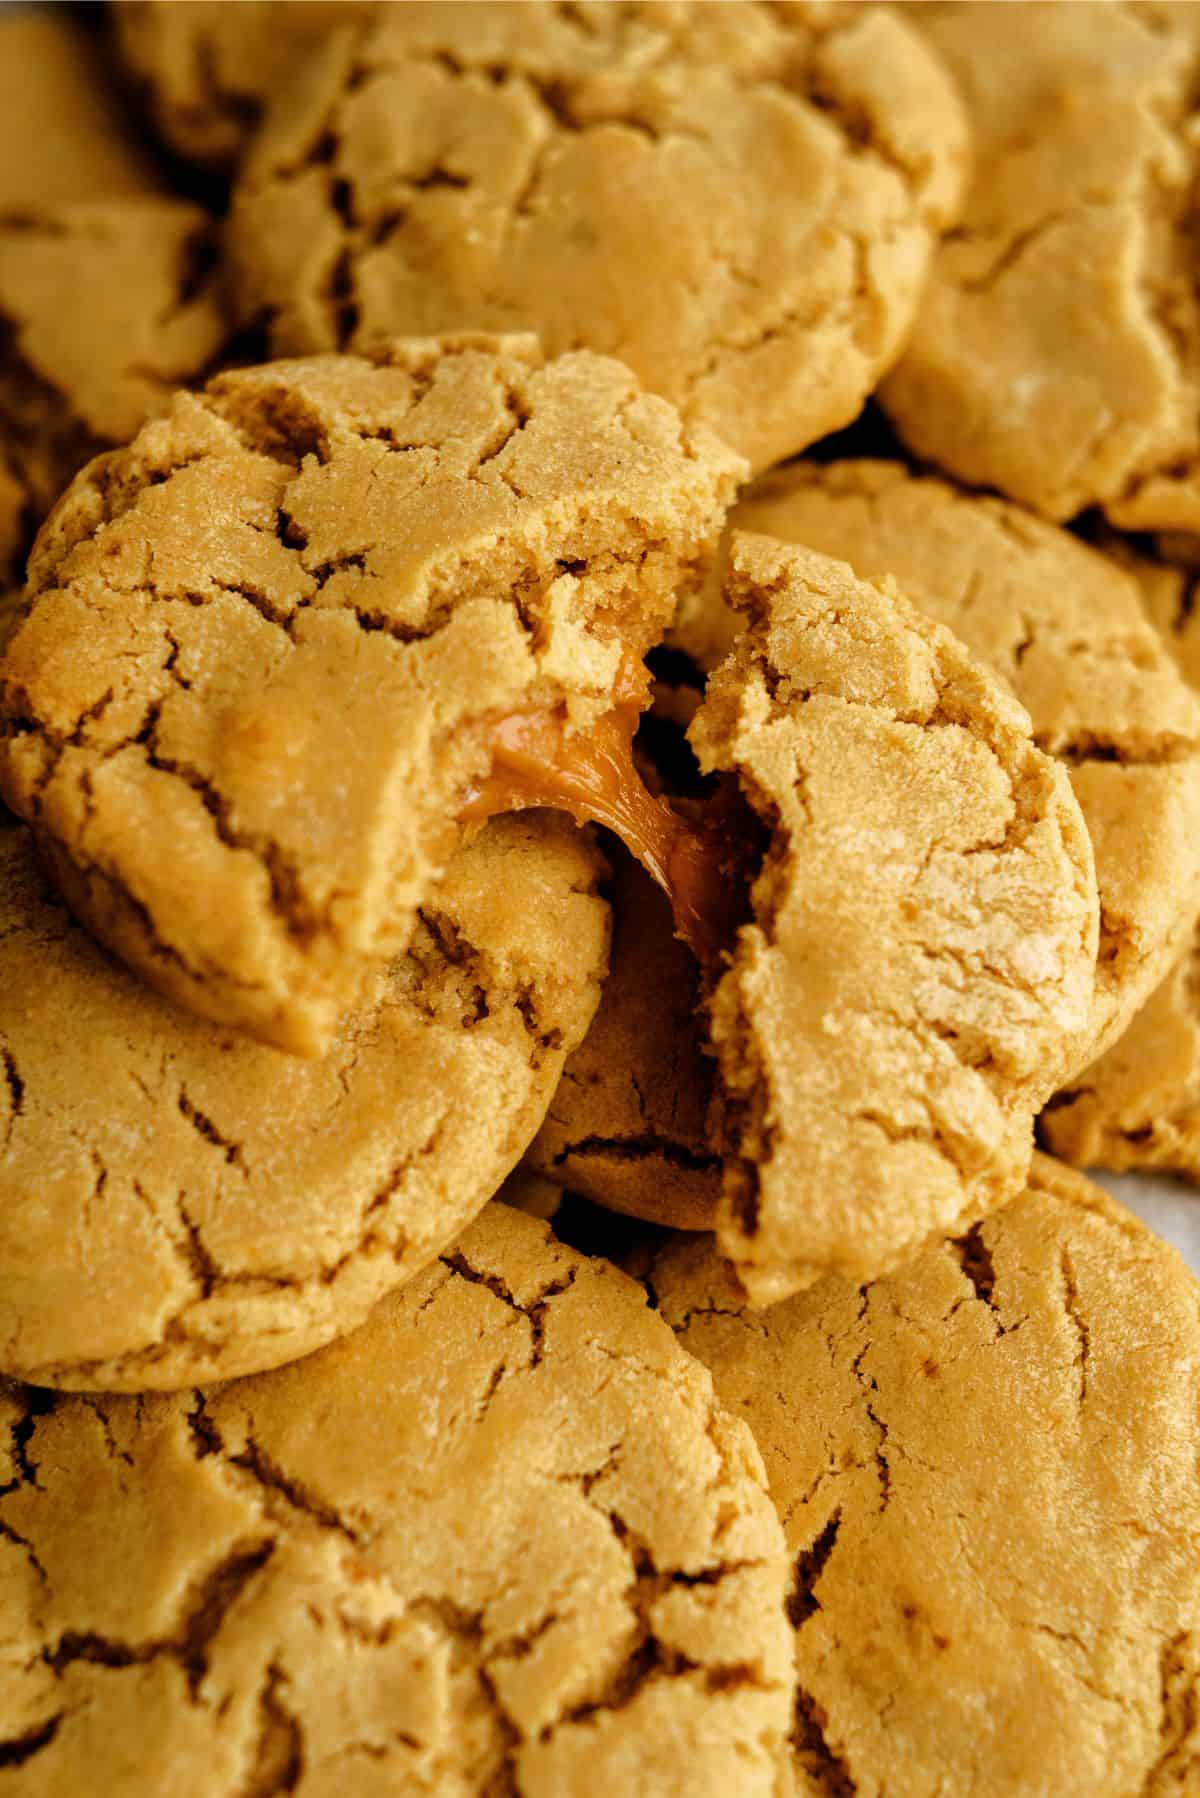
(1138, 1105)
(986, 1468)
(271, 642)
(499, 1540)
(1056, 350)
(1066, 630)
(738, 200)
(108, 290)
(180, 1204)
(918, 974)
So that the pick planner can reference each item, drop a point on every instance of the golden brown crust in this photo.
(739, 201)
(986, 1469)
(108, 291)
(1056, 351)
(208, 68)
(628, 1125)
(1063, 626)
(179, 1204)
(919, 973)
(239, 714)
(499, 1540)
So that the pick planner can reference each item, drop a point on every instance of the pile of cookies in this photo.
(599, 733)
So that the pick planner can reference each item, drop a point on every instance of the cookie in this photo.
(986, 1468)
(63, 133)
(629, 1123)
(277, 646)
(1056, 349)
(207, 68)
(180, 1204)
(1065, 629)
(1138, 1105)
(739, 201)
(108, 290)
(501, 1539)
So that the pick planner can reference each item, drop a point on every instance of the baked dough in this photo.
(986, 1468)
(920, 967)
(1138, 1105)
(738, 200)
(1066, 630)
(180, 1204)
(108, 291)
(1056, 350)
(500, 1540)
(629, 1123)
(265, 640)
(208, 68)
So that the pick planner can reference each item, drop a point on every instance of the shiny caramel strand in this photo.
(699, 863)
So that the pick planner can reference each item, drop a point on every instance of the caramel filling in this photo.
(699, 863)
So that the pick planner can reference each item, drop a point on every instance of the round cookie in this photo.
(986, 1468)
(1065, 628)
(1056, 349)
(1138, 1105)
(208, 68)
(108, 292)
(629, 1123)
(180, 1204)
(738, 200)
(271, 641)
(501, 1540)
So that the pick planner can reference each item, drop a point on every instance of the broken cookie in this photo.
(917, 974)
(986, 1468)
(1056, 350)
(501, 1539)
(108, 286)
(1065, 628)
(278, 646)
(739, 201)
(178, 1203)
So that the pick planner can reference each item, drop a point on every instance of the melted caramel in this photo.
(592, 775)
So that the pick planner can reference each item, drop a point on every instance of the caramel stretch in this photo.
(592, 775)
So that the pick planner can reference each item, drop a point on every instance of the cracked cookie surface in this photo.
(1056, 349)
(84, 216)
(1138, 1105)
(986, 1469)
(178, 1203)
(739, 201)
(1065, 628)
(501, 1539)
(919, 973)
(265, 643)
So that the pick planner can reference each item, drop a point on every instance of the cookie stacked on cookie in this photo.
(450, 756)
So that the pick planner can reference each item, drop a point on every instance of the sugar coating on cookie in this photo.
(108, 296)
(1138, 1105)
(919, 971)
(1065, 628)
(1056, 350)
(178, 1203)
(269, 642)
(986, 1468)
(501, 1539)
(208, 68)
(629, 1123)
(739, 201)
